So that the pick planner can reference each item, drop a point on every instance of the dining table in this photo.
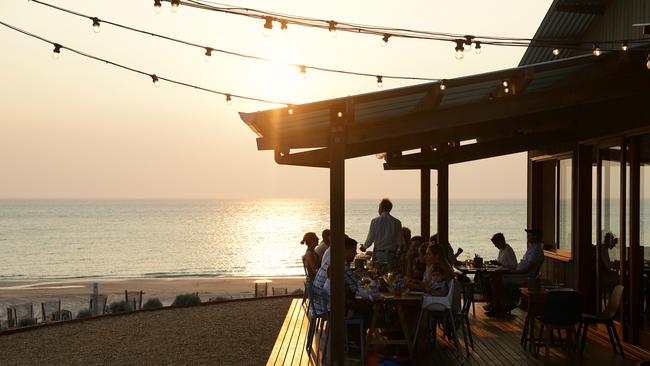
(401, 304)
(493, 272)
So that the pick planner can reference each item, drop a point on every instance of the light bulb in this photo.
(442, 85)
(283, 24)
(505, 83)
(380, 81)
(647, 64)
(175, 5)
(460, 49)
(340, 114)
(303, 71)
(506, 90)
(208, 54)
(155, 80)
(477, 47)
(556, 51)
(384, 40)
(290, 109)
(57, 51)
(331, 27)
(597, 50)
(268, 26)
(157, 6)
(468, 43)
(228, 100)
(624, 47)
(96, 25)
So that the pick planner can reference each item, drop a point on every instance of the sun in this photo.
(277, 79)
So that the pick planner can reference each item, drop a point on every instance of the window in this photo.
(564, 204)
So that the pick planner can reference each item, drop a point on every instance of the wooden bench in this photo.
(289, 348)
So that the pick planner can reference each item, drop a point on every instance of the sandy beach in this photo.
(75, 294)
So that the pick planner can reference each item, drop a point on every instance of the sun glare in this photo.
(279, 80)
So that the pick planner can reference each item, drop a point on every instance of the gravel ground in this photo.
(230, 333)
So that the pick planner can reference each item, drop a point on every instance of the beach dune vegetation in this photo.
(187, 299)
(84, 313)
(119, 307)
(152, 303)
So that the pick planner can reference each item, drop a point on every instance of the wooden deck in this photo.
(496, 342)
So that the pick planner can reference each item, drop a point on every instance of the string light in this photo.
(505, 83)
(556, 51)
(208, 54)
(228, 99)
(624, 46)
(477, 47)
(57, 51)
(597, 51)
(232, 53)
(384, 40)
(506, 90)
(95, 24)
(268, 26)
(647, 64)
(175, 5)
(155, 80)
(442, 85)
(468, 43)
(283, 24)
(380, 81)
(303, 71)
(331, 27)
(156, 6)
(460, 50)
(290, 109)
(340, 114)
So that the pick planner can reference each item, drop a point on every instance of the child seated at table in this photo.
(437, 274)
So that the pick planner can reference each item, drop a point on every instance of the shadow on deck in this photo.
(496, 342)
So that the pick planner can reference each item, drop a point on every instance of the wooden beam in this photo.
(425, 203)
(582, 225)
(635, 258)
(337, 237)
(316, 158)
(623, 314)
(443, 204)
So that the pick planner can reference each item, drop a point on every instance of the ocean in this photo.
(58, 239)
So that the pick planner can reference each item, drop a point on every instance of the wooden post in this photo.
(338, 116)
(582, 224)
(425, 203)
(535, 194)
(635, 264)
(443, 204)
(599, 227)
(622, 239)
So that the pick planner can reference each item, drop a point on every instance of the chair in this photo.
(134, 298)
(319, 316)
(101, 304)
(463, 315)
(562, 310)
(20, 315)
(440, 309)
(261, 289)
(51, 311)
(606, 317)
(279, 291)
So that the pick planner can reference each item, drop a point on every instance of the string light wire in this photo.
(232, 53)
(137, 71)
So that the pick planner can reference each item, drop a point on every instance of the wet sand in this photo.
(75, 294)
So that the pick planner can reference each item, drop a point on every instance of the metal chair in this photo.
(562, 310)
(134, 298)
(20, 315)
(440, 310)
(51, 311)
(606, 317)
(463, 315)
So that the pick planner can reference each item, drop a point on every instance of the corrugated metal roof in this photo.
(558, 25)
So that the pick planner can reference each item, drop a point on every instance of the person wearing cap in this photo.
(506, 257)
(386, 234)
(528, 268)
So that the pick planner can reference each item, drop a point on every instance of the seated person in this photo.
(310, 259)
(414, 265)
(437, 274)
(527, 269)
(506, 257)
(452, 257)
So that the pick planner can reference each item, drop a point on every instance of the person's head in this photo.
(350, 249)
(407, 234)
(434, 238)
(499, 240)
(310, 239)
(610, 240)
(434, 254)
(385, 205)
(533, 236)
(326, 236)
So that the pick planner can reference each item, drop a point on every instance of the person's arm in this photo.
(530, 265)
(370, 238)
(350, 280)
(458, 252)
(312, 262)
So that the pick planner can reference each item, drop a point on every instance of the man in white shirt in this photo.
(324, 244)
(506, 258)
(386, 234)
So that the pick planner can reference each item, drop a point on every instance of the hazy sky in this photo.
(78, 128)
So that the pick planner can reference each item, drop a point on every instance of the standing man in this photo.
(386, 233)
(323, 245)
(506, 258)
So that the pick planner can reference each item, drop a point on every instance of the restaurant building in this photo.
(582, 115)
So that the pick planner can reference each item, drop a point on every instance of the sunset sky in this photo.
(78, 128)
